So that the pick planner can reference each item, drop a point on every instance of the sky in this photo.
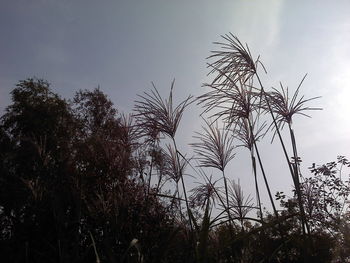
(122, 46)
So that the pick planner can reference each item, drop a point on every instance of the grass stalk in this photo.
(295, 181)
(150, 171)
(227, 202)
(182, 182)
(265, 180)
(256, 183)
(292, 171)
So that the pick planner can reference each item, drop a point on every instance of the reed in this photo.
(153, 109)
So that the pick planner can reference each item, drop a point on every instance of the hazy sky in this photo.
(124, 45)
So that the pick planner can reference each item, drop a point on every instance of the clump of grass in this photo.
(162, 115)
(240, 205)
(233, 96)
(215, 149)
(235, 99)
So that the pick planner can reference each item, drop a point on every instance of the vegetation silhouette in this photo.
(81, 182)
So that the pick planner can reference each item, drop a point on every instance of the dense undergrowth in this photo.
(80, 182)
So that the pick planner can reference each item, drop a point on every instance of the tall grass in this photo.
(153, 109)
(215, 149)
(237, 98)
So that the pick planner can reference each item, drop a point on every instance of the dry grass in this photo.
(285, 106)
(233, 60)
(214, 147)
(160, 114)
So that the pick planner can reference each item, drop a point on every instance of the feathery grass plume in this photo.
(204, 192)
(140, 164)
(161, 115)
(216, 189)
(176, 168)
(233, 60)
(249, 133)
(243, 133)
(150, 132)
(215, 147)
(129, 132)
(234, 98)
(239, 204)
(239, 106)
(231, 99)
(286, 106)
(176, 172)
(152, 110)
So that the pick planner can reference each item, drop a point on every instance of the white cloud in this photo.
(258, 21)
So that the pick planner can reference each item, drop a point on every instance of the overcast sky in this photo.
(124, 45)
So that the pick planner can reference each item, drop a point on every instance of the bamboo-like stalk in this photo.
(297, 181)
(265, 179)
(227, 201)
(253, 162)
(253, 147)
(256, 184)
(248, 137)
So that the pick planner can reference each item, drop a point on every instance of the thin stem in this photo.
(256, 183)
(276, 125)
(251, 149)
(279, 136)
(179, 202)
(227, 201)
(296, 176)
(183, 183)
(265, 179)
(287, 159)
(253, 141)
(150, 170)
(208, 180)
(159, 182)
